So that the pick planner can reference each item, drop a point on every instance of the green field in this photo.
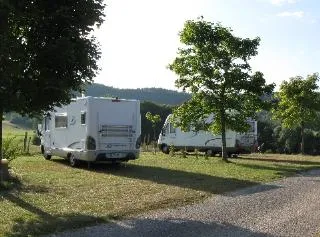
(9, 128)
(49, 196)
(19, 133)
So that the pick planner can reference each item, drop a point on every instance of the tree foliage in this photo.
(154, 119)
(213, 65)
(146, 127)
(298, 103)
(46, 52)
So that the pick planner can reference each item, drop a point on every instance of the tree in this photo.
(298, 103)
(213, 65)
(162, 110)
(154, 119)
(47, 52)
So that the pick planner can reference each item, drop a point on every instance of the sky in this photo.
(140, 38)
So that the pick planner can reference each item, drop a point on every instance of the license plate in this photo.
(114, 155)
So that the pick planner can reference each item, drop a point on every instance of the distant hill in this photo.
(155, 95)
(11, 128)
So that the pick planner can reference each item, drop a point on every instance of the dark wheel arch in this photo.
(42, 149)
(164, 148)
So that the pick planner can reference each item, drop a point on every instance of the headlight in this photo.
(90, 143)
(138, 142)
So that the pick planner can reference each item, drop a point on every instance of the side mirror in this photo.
(39, 129)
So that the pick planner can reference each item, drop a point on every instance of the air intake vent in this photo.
(116, 130)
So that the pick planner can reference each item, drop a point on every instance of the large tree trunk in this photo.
(1, 116)
(223, 137)
(4, 56)
(302, 137)
(4, 172)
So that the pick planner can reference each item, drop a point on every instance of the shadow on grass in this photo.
(46, 223)
(13, 183)
(183, 179)
(283, 170)
(293, 161)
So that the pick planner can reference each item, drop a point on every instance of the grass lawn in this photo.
(50, 196)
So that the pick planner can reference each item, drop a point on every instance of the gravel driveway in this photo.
(288, 207)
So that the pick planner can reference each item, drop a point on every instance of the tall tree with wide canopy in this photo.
(213, 65)
(298, 103)
(46, 51)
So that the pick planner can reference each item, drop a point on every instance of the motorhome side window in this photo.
(165, 130)
(61, 120)
(46, 123)
(83, 117)
(251, 128)
(172, 129)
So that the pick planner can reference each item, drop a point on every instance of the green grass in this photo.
(13, 129)
(18, 132)
(49, 196)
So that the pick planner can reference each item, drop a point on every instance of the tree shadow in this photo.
(165, 227)
(310, 172)
(46, 223)
(183, 179)
(13, 183)
(297, 162)
(282, 170)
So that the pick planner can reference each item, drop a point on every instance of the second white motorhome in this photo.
(94, 130)
(204, 141)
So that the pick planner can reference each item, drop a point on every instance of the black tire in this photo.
(209, 152)
(47, 156)
(165, 149)
(73, 161)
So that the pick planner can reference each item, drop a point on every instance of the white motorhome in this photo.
(94, 130)
(204, 141)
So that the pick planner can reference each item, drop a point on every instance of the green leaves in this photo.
(298, 101)
(213, 66)
(154, 119)
(51, 52)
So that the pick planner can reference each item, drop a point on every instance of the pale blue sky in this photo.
(140, 38)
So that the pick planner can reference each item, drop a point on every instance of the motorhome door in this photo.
(47, 131)
(172, 131)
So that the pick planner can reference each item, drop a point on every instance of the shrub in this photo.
(184, 153)
(11, 148)
(35, 140)
(172, 150)
(196, 152)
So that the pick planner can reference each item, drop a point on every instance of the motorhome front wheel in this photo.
(73, 161)
(165, 149)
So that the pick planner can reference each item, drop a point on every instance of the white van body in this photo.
(205, 141)
(93, 129)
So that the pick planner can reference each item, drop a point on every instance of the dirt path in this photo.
(289, 207)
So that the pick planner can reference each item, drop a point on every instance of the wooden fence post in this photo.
(25, 141)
